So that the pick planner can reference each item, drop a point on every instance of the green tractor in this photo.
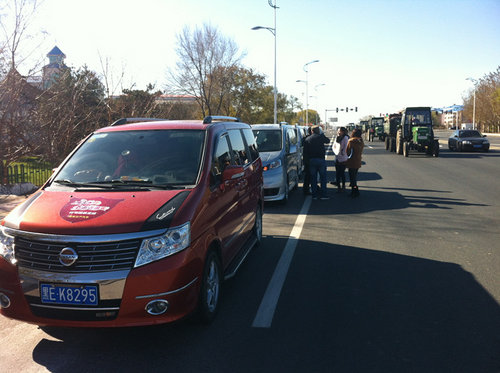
(376, 128)
(416, 133)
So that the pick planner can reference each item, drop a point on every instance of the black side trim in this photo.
(162, 218)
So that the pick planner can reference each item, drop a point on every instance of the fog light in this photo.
(4, 301)
(157, 307)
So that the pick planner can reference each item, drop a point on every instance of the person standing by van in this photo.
(314, 149)
(306, 186)
(339, 149)
(354, 150)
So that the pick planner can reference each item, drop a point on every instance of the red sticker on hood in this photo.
(83, 209)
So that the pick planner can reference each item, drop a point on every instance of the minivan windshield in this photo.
(268, 140)
(151, 158)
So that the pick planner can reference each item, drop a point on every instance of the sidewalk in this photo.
(8, 202)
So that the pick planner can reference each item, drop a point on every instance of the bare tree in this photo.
(205, 66)
(487, 91)
(17, 96)
(69, 110)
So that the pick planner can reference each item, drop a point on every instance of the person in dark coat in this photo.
(314, 149)
(306, 186)
(354, 150)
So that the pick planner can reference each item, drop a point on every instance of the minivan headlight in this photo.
(274, 164)
(155, 248)
(7, 247)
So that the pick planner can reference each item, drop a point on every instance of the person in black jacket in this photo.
(314, 150)
(306, 186)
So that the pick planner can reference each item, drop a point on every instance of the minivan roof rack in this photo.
(121, 121)
(211, 118)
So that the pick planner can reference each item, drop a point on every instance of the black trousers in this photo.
(340, 173)
(353, 177)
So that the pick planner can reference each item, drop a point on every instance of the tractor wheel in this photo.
(399, 143)
(406, 148)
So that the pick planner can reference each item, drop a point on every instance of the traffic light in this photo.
(346, 109)
(356, 109)
(337, 110)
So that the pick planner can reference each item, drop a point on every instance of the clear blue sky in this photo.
(379, 55)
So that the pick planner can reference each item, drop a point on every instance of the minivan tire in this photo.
(210, 291)
(287, 192)
(257, 227)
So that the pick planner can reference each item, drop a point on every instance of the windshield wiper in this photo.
(112, 184)
(119, 184)
(168, 186)
(75, 184)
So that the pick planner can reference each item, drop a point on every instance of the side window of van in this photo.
(287, 141)
(240, 154)
(221, 159)
(292, 136)
(251, 143)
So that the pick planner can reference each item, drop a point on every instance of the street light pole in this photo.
(307, 90)
(303, 81)
(273, 31)
(473, 106)
(317, 100)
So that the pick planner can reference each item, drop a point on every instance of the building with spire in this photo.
(55, 67)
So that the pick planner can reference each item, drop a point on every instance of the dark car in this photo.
(468, 140)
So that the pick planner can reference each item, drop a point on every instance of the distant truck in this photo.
(416, 133)
(391, 125)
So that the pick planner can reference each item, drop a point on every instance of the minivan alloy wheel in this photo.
(258, 225)
(213, 284)
(210, 288)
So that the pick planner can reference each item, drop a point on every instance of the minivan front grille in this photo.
(109, 256)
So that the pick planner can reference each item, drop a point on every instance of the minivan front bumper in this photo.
(274, 184)
(123, 294)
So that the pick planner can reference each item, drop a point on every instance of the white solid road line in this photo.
(265, 313)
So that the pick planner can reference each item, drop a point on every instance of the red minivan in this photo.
(139, 225)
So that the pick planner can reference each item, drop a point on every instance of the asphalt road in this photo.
(404, 278)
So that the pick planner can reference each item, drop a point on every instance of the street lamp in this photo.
(474, 105)
(307, 90)
(317, 100)
(302, 81)
(273, 31)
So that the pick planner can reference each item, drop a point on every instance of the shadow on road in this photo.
(469, 155)
(372, 199)
(342, 309)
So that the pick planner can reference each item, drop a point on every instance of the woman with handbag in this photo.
(339, 149)
(354, 150)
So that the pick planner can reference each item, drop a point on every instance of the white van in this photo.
(279, 151)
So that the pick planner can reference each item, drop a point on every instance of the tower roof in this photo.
(56, 52)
